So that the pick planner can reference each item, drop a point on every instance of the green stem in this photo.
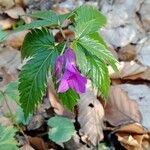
(62, 32)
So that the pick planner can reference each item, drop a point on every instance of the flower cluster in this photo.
(71, 77)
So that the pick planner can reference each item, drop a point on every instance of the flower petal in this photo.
(59, 65)
(63, 86)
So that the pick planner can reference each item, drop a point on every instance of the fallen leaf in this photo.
(133, 137)
(10, 60)
(15, 12)
(35, 122)
(141, 76)
(143, 52)
(127, 53)
(6, 4)
(26, 147)
(15, 40)
(120, 109)
(37, 142)
(5, 121)
(127, 69)
(141, 95)
(6, 23)
(90, 117)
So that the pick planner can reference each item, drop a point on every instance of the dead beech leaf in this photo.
(141, 95)
(6, 23)
(15, 12)
(90, 117)
(127, 69)
(134, 137)
(141, 76)
(9, 61)
(127, 53)
(26, 147)
(120, 109)
(37, 143)
(6, 4)
(15, 40)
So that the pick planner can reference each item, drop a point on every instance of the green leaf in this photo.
(7, 141)
(98, 73)
(35, 40)
(99, 50)
(96, 36)
(80, 56)
(33, 76)
(87, 20)
(69, 99)
(84, 28)
(62, 129)
(93, 68)
(1, 97)
(45, 15)
(20, 118)
(3, 35)
(86, 13)
(11, 91)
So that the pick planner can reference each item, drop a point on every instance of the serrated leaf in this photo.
(93, 68)
(33, 76)
(69, 99)
(99, 50)
(62, 129)
(80, 56)
(91, 22)
(35, 40)
(7, 141)
(84, 28)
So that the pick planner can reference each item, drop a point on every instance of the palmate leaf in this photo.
(33, 76)
(62, 129)
(88, 19)
(93, 68)
(7, 141)
(69, 99)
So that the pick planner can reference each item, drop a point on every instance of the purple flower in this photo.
(59, 65)
(71, 77)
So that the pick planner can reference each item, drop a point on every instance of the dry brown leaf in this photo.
(36, 122)
(5, 121)
(141, 94)
(127, 53)
(26, 147)
(120, 109)
(15, 12)
(6, 23)
(15, 40)
(127, 69)
(133, 137)
(9, 61)
(141, 76)
(6, 4)
(37, 143)
(90, 117)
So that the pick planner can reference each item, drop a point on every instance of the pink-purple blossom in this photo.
(71, 77)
